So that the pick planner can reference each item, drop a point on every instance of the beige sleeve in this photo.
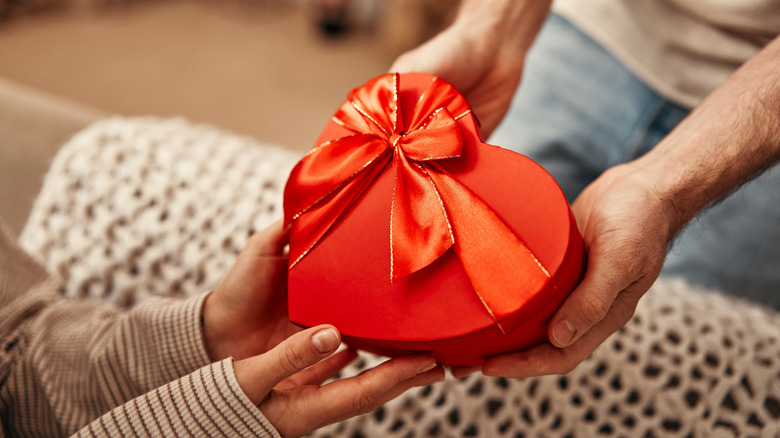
(64, 363)
(206, 403)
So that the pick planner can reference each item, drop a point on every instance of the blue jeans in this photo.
(579, 111)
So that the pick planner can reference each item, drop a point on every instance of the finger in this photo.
(459, 372)
(291, 356)
(361, 393)
(541, 360)
(259, 273)
(337, 401)
(547, 359)
(590, 302)
(262, 257)
(324, 370)
(434, 375)
(269, 241)
(366, 390)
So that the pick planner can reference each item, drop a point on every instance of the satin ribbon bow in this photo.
(431, 211)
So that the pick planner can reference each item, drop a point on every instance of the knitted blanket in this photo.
(136, 207)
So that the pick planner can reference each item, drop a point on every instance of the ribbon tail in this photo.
(503, 271)
(419, 229)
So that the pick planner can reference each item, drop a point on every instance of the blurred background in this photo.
(272, 69)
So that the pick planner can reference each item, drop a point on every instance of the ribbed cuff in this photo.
(206, 403)
(179, 337)
(240, 411)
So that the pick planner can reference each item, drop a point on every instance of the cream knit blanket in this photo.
(136, 207)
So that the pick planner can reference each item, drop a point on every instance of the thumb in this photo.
(258, 375)
(588, 304)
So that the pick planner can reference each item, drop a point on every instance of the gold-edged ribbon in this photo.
(431, 211)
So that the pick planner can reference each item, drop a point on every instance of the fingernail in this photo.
(427, 367)
(326, 340)
(563, 332)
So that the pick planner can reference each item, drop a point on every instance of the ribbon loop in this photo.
(440, 138)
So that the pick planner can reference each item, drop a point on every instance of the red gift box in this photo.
(410, 234)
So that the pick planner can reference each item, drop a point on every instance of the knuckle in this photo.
(612, 279)
(292, 360)
(593, 308)
(625, 307)
(363, 400)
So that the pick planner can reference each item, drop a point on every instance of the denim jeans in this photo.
(579, 111)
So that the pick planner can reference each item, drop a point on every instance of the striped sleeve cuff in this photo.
(206, 403)
(178, 336)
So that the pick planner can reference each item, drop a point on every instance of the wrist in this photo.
(664, 195)
(210, 325)
(506, 25)
(731, 137)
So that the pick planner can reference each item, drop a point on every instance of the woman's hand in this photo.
(286, 382)
(246, 314)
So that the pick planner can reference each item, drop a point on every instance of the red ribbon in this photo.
(431, 211)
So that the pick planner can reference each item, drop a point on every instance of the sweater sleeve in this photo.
(64, 363)
(206, 403)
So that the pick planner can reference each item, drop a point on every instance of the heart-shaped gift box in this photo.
(410, 234)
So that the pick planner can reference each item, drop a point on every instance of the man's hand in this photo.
(626, 227)
(481, 54)
(286, 382)
(247, 313)
(631, 212)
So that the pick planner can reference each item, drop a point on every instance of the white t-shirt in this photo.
(682, 48)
